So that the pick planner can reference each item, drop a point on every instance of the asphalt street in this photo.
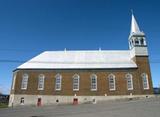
(134, 108)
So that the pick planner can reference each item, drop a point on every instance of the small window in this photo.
(93, 82)
(41, 82)
(129, 81)
(57, 100)
(145, 81)
(112, 85)
(22, 101)
(58, 82)
(24, 81)
(76, 82)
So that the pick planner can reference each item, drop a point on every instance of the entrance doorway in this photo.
(39, 102)
(75, 101)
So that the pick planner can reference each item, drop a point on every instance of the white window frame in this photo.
(112, 76)
(129, 78)
(58, 84)
(24, 83)
(144, 75)
(93, 76)
(76, 77)
(41, 81)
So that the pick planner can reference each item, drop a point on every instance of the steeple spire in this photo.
(136, 38)
(134, 25)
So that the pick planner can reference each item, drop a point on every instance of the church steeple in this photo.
(137, 40)
(136, 37)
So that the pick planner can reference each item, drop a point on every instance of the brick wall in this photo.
(84, 89)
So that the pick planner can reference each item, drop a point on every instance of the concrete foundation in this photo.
(32, 100)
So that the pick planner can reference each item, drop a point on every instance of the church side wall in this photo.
(84, 89)
(66, 94)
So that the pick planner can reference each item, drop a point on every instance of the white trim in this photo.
(14, 80)
(58, 76)
(112, 76)
(76, 76)
(41, 79)
(131, 80)
(91, 77)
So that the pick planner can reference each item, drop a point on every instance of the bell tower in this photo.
(137, 40)
(139, 53)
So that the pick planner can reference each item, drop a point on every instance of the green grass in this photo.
(3, 105)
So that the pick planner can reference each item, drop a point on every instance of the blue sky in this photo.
(29, 27)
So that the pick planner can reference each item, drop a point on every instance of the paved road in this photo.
(137, 108)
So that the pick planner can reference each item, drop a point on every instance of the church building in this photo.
(73, 77)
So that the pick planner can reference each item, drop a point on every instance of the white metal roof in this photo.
(80, 60)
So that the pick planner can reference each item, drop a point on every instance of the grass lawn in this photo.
(3, 105)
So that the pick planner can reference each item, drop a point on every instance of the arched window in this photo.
(58, 82)
(93, 82)
(24, 81)
(145, 81)
(76, 82)
(112, 83)
(41, 82)
(129, 81)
